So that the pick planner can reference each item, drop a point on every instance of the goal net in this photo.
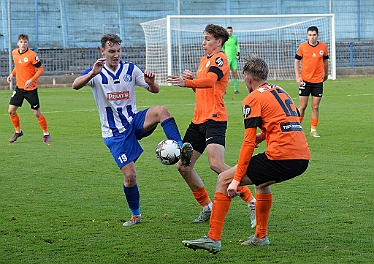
(174, 43)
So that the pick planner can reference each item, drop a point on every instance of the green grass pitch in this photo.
(64, 203)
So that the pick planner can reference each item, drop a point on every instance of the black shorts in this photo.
(31, 96)
(261, 169)
(315, 89)
(210, 132)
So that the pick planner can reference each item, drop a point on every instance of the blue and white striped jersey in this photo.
(114, 93)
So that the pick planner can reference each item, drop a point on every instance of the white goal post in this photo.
(174, 43)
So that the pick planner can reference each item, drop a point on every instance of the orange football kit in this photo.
(313, 65)
(213, 75)
(272, 110)
(25, 65)
(210, 86)
(280, 126)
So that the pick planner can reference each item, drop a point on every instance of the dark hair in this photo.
(110, 39)
(23, 36)
(256, 67)
(218, 32)
(229, 27)
(312, 28)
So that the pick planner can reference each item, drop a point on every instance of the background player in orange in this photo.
(314, 71)
(208, 127)
(27, 69)
(271, 109)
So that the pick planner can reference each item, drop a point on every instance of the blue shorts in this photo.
(125, 147)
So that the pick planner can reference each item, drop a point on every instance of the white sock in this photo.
(252, 202)
(208, 208)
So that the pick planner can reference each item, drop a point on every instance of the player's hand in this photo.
(149, 77)
(232, 190)
(300, 82)
(187, 74)
(98, 66)
(9, 78)
(28, 83)
(175, 80)
(258, 139)
(238, 55)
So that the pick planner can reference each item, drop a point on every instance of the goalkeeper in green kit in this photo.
(232, 50)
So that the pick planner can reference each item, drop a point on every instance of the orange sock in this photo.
(43, 123)
(301, 119)
(313, 123)
(15, 121)
(201, 196)
(263, 205)
(245, 194)
(221, 206)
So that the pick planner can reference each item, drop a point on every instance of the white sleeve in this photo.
(139, 77)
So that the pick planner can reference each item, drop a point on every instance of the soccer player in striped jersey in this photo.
(113, 84)
(269, 108)
(27, 69)
(208, 127)
(314, 71)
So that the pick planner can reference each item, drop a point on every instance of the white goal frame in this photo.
(173, 43)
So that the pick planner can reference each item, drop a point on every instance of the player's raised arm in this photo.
(176, 80)
(81, 81)
(150, 78)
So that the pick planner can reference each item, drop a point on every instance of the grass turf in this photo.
(63, 202)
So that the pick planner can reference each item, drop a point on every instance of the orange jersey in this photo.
(272, 110)
(313, 69)
(210, 83)
(25, 66)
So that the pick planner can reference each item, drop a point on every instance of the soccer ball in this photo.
(168, 152)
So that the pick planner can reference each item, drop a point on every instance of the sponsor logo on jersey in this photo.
(219, 61)
(246, 111)
(321, 52)
(207, 64)
(114, 96)
(291, 126)
(25, 59)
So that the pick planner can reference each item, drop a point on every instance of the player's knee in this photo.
(216, 166)
(223, 181)
(315, 107)
(162, 112)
